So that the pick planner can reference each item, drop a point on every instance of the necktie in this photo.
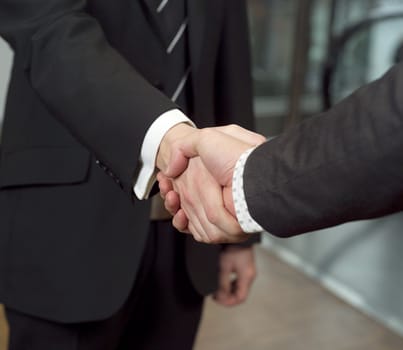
(171, 16)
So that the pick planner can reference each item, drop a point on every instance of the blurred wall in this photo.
(362, 262)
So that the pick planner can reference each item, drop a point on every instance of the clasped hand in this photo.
(196, 180)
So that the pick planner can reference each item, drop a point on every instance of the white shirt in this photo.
(149, 149)
(247, 223)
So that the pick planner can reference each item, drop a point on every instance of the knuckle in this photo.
(197, 238)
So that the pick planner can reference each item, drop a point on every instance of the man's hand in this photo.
(182, 142)
(194, 211)
(201, 199)
(237, 272)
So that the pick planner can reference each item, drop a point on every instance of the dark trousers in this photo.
(162, 312)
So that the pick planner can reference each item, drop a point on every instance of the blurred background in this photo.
(340, 288)
(307, 56)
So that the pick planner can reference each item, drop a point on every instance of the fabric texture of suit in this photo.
(345, 164)
(84, 90)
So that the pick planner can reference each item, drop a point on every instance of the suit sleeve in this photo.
(345, 164)
(82, 80)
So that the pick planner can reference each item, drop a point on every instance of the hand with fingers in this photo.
(203, 211)
(237, 273)
(201, 197)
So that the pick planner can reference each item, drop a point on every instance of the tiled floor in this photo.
(286, 311)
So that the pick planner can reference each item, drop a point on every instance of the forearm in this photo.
(344, 165)
(82, 80)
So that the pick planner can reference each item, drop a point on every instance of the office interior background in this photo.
(307, 55)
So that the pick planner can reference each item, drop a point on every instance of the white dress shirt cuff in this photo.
(247, 223)
(149, 150)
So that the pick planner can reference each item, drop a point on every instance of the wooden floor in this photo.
(3, 330)
(286, 311)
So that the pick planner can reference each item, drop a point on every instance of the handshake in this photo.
(196, 180)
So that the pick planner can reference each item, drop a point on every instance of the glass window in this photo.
(365, 53)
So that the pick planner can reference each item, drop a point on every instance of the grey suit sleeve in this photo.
(345, 164)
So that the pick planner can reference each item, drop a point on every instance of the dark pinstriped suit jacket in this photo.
(345, 164)
(85, 86)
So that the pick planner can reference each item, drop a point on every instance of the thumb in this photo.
(182, 150)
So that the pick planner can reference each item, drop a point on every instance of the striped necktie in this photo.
(171, 16)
